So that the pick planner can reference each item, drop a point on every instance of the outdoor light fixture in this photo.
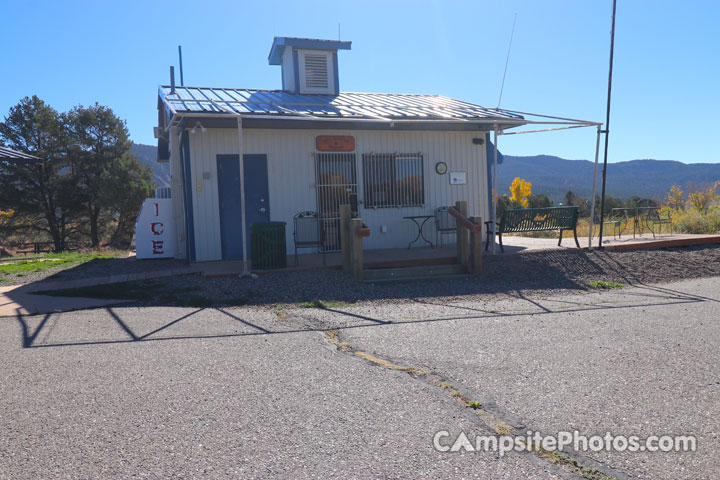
(478, 141)
(198, 124)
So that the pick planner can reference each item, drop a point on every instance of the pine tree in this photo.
(99, 140)
(38, 192)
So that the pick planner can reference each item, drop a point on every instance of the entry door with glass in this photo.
(335, 184)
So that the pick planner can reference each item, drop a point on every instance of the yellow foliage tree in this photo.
(5, 215)
(674, 198)
(521, 191)
(701, 199)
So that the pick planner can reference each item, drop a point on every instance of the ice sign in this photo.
(154, 229)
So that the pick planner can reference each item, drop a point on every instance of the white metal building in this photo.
(311, 147)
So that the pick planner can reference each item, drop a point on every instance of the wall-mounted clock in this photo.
(441, 168)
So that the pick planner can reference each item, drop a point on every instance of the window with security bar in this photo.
(393, 180)
(335, 185)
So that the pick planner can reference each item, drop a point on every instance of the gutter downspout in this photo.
(493, 212)
(245, 273)
(592, 202)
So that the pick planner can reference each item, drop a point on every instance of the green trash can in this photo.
(267, 245)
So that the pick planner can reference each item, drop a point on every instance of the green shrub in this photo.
(694, 221)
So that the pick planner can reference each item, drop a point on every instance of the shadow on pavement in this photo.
(645, 295)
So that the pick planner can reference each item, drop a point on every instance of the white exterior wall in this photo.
(176, 193)
(288, 71)
(291, 179)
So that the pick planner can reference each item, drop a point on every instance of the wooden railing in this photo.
(469, 250)
(462, 219)
(352, 232)
(469, 239)
(42, 247)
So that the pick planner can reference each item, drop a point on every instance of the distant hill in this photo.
(554, 176)
(147, 154)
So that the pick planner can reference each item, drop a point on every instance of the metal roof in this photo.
(188, 101)
(7, 154)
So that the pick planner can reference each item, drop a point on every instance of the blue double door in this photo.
(257, 204)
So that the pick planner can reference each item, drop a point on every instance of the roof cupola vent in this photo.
(308, 65)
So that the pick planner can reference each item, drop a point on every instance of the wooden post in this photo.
(476, 247)
(345, 238)
(462, 235)
(357, 251)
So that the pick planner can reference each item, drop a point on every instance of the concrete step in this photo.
(435, 278)
(404, 273)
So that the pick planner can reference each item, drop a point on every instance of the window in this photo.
(393, 180)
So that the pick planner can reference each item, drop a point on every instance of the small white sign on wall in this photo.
(155, 230)
(458, 178)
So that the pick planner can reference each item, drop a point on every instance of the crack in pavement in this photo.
(488, 415)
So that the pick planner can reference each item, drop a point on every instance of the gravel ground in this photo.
(537, 272)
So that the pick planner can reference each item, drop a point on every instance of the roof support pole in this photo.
(607, 124)
(594, 188)
(246, 271)
(493, 212)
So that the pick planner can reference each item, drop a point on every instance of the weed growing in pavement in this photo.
(323, 304)
(279, 312)
(604, 285)
(503, 429)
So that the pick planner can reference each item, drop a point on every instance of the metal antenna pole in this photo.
(182, 80)
(507, 60)
(607, 127)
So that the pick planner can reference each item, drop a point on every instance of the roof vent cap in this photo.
(308, 65)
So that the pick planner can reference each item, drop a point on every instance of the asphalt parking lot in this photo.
(261, 392)
(641, 361)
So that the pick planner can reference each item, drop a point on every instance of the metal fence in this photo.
(335, 185)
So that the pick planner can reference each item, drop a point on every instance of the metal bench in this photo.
(519, 220)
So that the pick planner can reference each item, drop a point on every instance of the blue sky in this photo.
(665, 87)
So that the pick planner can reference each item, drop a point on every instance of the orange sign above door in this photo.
(335, 143)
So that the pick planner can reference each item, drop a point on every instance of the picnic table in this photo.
(416, 220)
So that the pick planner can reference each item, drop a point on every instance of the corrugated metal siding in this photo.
(291, 179)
